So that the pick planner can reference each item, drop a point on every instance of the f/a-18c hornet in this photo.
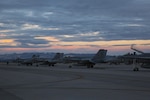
(36, 60)
(99, 57)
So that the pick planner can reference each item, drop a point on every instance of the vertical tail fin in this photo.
(100, 56)
(58, 57)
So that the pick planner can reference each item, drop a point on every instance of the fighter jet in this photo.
(58, 58)
(99, 57)
(37, 60)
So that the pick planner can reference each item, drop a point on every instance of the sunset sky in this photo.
(76, 26)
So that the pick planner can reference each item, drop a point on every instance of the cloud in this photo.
(89, 36)
(5, 31)
(30, 26)
(8, 42)
(50, 38)
(35, 23)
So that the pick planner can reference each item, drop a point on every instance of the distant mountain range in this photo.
(13, 56)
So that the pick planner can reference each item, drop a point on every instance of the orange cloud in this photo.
(8, 42)
(107, 43)
(80, 47)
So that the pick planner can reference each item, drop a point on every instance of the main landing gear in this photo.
(135, 65)
(136, 69)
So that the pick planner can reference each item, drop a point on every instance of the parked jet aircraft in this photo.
(99, 57)
(36, 60)
(28, 61)
(58, 58)
(143, 59)
(25, 62)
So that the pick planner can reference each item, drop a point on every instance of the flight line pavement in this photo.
(104, 82)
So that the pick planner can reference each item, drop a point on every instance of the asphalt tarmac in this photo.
(104, 82)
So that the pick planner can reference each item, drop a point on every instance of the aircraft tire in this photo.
(92, 66)
(136, 69)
